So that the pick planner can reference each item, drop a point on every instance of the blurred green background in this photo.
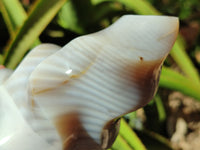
(172, 119)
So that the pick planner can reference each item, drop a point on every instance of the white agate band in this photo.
(78, 91)
(15, 132)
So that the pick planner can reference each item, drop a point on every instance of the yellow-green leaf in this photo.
(40, 16)
(13, 14)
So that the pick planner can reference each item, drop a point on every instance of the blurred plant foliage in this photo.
(27, 23)
(183, 9)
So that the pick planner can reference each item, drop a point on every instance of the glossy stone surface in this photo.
(72, 97)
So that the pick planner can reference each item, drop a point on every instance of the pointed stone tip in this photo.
(148, 24)
(154, 35)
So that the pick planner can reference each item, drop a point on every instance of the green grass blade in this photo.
(73, 15)
(183, 60)
(175, 81)
(40, 16)
(154, 141)
(141, 7)
(67, 18)
(1, 59)
(130, 136)
(121, 144)
(160, 107)
(13, 14)
(127, 139)
(106, 9)
(76, 15)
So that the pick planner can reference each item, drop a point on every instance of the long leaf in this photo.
(78, 20)
(175, 81)
(40, 16)
(121, 144)
(160, 108)
(13, 14)
(184, 62)
(142, 7)
(154, 141)
(130, 136)
(1, 59)
(68, 19)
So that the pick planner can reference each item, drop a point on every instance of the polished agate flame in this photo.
(72, 97)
